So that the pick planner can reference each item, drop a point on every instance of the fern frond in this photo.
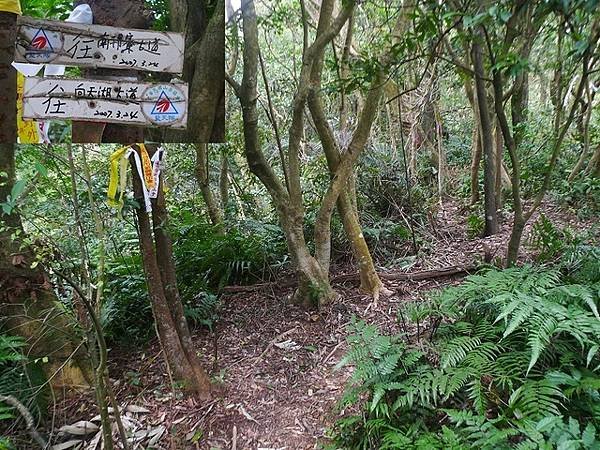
(535, 399)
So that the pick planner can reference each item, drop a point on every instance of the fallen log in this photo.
(355, 278)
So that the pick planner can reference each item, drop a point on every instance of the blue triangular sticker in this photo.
(41, 41)
(164, 105)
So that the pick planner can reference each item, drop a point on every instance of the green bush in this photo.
(127, 314)
(206, 260)
(508, 359)
(475, 225)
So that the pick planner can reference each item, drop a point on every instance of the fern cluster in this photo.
(509, 359)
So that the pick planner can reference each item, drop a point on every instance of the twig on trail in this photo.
(414, 276)
(332, 352)
(274, 341)
(266, 350)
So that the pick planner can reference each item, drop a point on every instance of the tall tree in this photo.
(369, 280)
(311, 269)
(486, 136)
(523, 24)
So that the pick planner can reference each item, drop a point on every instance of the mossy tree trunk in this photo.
(28, 303)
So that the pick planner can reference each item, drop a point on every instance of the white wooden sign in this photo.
(72, 44)
(134, 103)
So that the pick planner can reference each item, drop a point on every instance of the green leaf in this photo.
(18, 189)
(377, 396)
(588, 437)
(41, 169)
(591, 353)
(505, 16)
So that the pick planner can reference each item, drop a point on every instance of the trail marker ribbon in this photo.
(148, 171)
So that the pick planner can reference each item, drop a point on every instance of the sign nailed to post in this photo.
(135, 103)
(72, 44)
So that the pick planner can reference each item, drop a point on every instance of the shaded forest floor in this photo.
(276, 362)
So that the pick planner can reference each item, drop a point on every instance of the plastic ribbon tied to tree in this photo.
(148, 170)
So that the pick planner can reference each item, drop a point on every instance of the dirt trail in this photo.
(277, 361)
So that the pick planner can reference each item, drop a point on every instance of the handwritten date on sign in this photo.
(70, 44)
(145, 104)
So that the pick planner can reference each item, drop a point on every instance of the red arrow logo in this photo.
(163, 105)
(39, 43)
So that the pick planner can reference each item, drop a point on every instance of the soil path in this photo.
(276, 361)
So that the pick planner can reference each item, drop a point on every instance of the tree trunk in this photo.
(593, 167)
(168, 316)
(224, 183)
(166, 264)
(27, 300)
(370, 283)
(514, 242)
(8, 79)
(314, 289)
(204, 70)
(313, 283)
(346, 202)
(498, 164)
(491, 215)
(214, 212)
(476, 152)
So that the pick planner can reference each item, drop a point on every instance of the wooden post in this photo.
(8, 79)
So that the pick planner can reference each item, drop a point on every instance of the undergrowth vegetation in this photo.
(21, 379)
(507, 359)
(206, 260)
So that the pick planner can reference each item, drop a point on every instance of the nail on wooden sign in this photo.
(135, 103)
(71, 44)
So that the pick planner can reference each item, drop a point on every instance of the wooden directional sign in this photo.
(71, 44)
(124, 102)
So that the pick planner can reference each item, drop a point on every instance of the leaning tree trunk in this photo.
(27, 300)
(166, 264)
(346, 202)
(370, 281)
(168, 316)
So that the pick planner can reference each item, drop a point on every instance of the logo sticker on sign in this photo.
(164, 105)
(164, 110)
(44, 45)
